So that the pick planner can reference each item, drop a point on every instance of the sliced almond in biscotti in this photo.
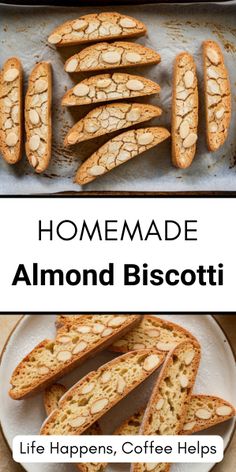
(184, 111)
(174, 395)
(103, 397)
(119, 150)
(104, 87)
(96, 27)
(154, 332)
(217, 95)
(111, 56)
(109, 118)
(51, 359)
(11, 111)
(38, 122)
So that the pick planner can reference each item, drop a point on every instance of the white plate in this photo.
(217, 376)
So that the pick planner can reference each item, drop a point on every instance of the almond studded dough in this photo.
(75, 407)
(111, 55)
(96, 27)
(217, 95)
(104, 87)
(11, 111)
(110, 118)
(154, 332)
(118, 150)
(38, 117)
(184, 111)
(176, 398)
(51, 359)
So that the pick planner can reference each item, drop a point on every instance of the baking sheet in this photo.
(171, 29)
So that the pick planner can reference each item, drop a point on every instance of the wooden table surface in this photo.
(7, 322)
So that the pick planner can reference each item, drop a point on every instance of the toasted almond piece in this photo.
(99, 405)
(160, 404)
(111, 57)
(189, 356)
(117, 321)
(98, 328)
(145, 138)
(104, 83)
(189, 426)
(151, 362)
(126, 22)
(11, 139)
(183, 380)
(213, 127)
(88, 388)
(105, 377)
(64, 339)
(220, 113)
(106, 332)
(34, 117)
(79, 25)
(223, 410)
(190, 140)
(43, 370)
(34, 142)
(34, 161)
(83, 329)
(77, 422)
(213, 56)
(41, 85)
(203, 414)
(81, 346)
(184, 129)
(94, 171)
(55, 38)
(64, 356)
(71, 65)
(165, 346)
(153, 333)
(150, 466)
(189, 79)
(11, 74)
(133, 57)
(121, 384)
(81, 90)
(135, 85)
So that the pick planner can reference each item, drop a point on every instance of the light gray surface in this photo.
(216, 377)
(171, 29)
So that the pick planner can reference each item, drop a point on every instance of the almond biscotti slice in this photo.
(184, 111)
(119, 150)
(111, 55)
(109, 118)
(96, 27)
(217, 95)
(38, 122)
(104, 87)
(99, 391)
(167, 408)
(11, 111)
(74, 344)
(152, 332)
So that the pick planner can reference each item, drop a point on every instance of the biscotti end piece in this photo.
(96, 27)
(205, 411)
(38, 121)
(74, 344)
(99, 391)
(153, 332)
(51, 397)
(104, 87)
(217, 95)
(184, 111)
(119, 150)
(11, 111)
(103, 56)
(109, 118)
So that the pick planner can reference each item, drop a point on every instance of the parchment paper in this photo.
(171, 29)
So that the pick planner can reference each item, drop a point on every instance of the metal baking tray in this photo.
(172, 28)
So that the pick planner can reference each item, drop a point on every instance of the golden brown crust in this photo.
(184, 111)
(51, 397)
(108, 119)
(38, 120)
(51, 359)
(104, 56)
(217, 95)
(11, 111)
(118, 150)
(105, 87)
(96, 27)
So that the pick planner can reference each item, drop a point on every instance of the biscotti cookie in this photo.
(74, 344)
(109, 118)
(38, 123)
(111, 55)
(104, 87)
(152, 332)
(184, 111)
(51, 397)
(96, 27)
(11, 111)
(170, 397)
(217, 95)
(99, 391)
(119, 150)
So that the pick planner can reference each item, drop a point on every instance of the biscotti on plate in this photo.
(184, 111)
(11, 111)
(217, 95)
(111, 55)
(99, 391)
(96, 27)
(119, 150)
(38, 121)
(109, 118)
(104, 87)
(152, 332)
(170, 397)
(52, 359)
